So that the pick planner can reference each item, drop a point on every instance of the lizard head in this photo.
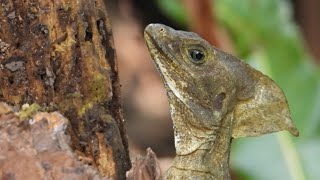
(190, 71)
(212, 84)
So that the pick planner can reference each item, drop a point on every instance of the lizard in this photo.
(214, 97)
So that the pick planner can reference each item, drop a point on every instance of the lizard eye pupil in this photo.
(197, 56)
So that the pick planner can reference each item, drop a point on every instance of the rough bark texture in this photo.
(60, 55)
(34, 146)
(145, 168)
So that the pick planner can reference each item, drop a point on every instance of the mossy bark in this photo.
(60, 54)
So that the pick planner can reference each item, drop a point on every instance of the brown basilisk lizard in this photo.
(213, 97)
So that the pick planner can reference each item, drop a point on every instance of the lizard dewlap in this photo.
(213, 97)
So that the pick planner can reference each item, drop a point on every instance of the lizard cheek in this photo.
(218, 101)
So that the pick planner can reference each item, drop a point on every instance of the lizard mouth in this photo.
(159, 41)
(162, 56)
(158, 46)
(170, 70)
(156, 52)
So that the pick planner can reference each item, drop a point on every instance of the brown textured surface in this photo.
(308, 14)
(145, 168)
(214, 97)
(38, 148)
(60, 55)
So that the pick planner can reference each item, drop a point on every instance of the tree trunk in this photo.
(308, 15)
(60, 54)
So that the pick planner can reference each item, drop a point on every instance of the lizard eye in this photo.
(197, 56)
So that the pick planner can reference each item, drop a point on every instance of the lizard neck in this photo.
(206, 165)
(201, 153)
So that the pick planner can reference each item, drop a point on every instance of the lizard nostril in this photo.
(161, 30)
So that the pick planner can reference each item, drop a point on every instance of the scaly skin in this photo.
(213, 98)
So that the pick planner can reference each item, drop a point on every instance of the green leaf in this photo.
(265, 36)
(266, 27)
(174, 10)
(310, 150)
(264, 163)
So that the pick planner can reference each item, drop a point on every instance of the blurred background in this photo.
(281, 38)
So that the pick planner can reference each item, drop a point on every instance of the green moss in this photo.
(98, 89)
(84, 108)
(94, 92)
(28, 111)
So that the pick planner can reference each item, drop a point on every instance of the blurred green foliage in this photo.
(174, 10)
(265, 36)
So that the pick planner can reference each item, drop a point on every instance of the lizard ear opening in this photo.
(265, 112)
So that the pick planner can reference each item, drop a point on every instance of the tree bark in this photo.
(60, 54)
(308, 15)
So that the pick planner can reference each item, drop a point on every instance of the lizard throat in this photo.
(166, 66)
